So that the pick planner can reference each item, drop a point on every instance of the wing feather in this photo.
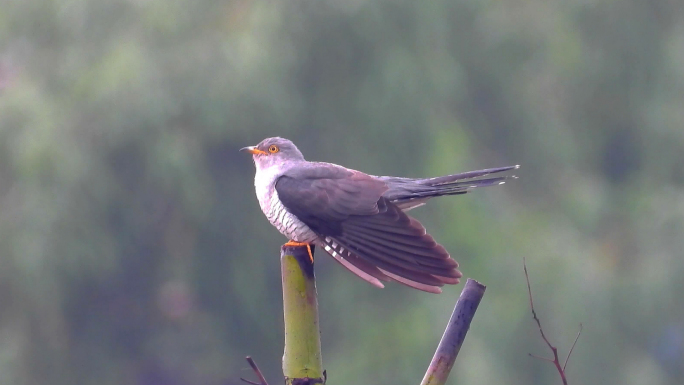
(364, 231)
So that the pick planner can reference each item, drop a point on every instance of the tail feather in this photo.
(466, 175)
(465, 186)
(408, 193)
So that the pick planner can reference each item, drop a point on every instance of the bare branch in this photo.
(540, 358)
(555, 360)
(572, 347)
(262, 380)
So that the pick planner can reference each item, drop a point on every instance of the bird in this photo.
(357, 218)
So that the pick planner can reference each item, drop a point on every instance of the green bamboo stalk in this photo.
(302, 362)
(455, 333)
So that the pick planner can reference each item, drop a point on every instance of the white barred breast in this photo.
(287, 223)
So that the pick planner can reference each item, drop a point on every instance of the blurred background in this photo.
(133, 250)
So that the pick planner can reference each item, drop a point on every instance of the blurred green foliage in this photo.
(132, 248)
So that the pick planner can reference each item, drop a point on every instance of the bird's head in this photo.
(273, 151)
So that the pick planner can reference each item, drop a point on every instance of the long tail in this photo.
(409, 193)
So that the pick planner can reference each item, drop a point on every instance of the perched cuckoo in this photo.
(358, 218)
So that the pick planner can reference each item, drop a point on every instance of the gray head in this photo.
(271, 151)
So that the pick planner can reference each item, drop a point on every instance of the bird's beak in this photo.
(252, 150)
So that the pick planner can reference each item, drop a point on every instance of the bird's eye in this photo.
(273, 149)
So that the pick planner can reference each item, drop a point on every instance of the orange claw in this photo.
(298, 244)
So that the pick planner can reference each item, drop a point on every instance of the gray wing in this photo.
(363, 230)
(325, 195)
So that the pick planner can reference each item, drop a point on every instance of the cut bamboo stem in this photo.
(302, 362)
(455, 333)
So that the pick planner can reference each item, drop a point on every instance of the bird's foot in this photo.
(299, 244)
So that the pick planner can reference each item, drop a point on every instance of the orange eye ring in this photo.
(273, 149)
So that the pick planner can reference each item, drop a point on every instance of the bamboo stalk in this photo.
(302, 362)
(454, 335)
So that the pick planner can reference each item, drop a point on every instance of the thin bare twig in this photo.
(262, 380)
(555, 360)
(572, 347)
(539, 358)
